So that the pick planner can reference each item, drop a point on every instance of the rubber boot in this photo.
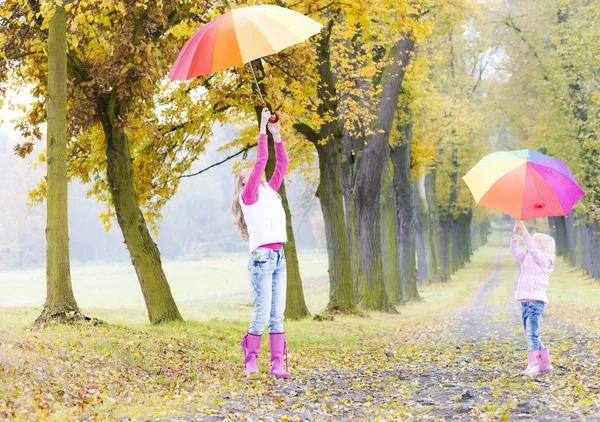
(278, 346)
(545, 365)
(250, 346)
(533, 363)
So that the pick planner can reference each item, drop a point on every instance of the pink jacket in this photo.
(536, 267)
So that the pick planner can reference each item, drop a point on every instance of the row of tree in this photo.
(387, 109)
(552, 103)
(133, 136)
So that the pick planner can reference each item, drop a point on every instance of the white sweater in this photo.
(265, 218)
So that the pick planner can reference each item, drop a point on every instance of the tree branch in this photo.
(308, 132)
(243, 150)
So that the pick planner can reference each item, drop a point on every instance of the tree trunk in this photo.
(446, 247)
(586, 258)
(342, 294)
(436, 267)
(558, 230)
(295, 306)
(595, 250)
(465, 230)
(59, 291)
(367, 188)
(457, 254)
(406, 234)
(143, 251)
(571, 238)
(388, 237)
(422, 227)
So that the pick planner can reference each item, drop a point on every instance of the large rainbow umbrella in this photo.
(524, 184)
(240, 36)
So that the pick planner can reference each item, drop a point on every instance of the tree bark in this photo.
(59, 291)
(388, 237)
(570, 221)
(143, 251)
(368, 184)
(406, 234)
(435, 232)
(446, 247)
(558, 229)
(422, 227)
(295, 306)
(342, 294)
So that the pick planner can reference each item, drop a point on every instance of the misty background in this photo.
(196, 222)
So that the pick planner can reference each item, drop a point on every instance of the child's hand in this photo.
(517, 229)
(522, 227)
(264, 119)
(274, 129)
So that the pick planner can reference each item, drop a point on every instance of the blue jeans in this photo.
(268, 278)
(532, 312)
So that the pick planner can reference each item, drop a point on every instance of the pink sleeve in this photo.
(250, 191)
(540, 258)
(280, 168)
(516, 251)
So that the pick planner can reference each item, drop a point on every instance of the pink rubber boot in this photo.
(533, 363)
(545, 365)
(278, 349)
(250, 347)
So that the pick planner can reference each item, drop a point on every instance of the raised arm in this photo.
(281, 157)
(514, 243)
(250, 191)
(515, 250)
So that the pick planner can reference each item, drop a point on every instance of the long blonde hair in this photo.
(236, 207)
(545, 244)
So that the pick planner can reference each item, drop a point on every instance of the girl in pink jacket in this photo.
(259, 215)
(536, 265)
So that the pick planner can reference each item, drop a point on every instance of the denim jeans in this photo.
(532, 312)
(268, 279)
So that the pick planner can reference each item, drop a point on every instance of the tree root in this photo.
(49, 317)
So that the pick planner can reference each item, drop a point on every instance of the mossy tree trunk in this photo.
(572, 238)
(435, 231)
(388, 237)
(342, 294)
(59, 291)
(406, 235)
(143, 251)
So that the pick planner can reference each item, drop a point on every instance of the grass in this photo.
(130, 368)
(574, 296)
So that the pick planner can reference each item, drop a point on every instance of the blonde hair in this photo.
(545, 244)
(236, 207)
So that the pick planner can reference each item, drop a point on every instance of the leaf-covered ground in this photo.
(454, 356)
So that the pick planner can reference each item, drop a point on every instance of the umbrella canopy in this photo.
(524, 184)
(240, 36)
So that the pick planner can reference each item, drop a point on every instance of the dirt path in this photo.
(489, 344)
(464, 367)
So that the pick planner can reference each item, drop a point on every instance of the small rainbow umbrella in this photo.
(524, 184)
(240, 36)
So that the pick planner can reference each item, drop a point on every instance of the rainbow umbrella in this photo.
(524, 184)
(240, 36)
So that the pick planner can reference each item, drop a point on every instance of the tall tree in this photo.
(405, 209)
(59, 291)
(327, 141)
